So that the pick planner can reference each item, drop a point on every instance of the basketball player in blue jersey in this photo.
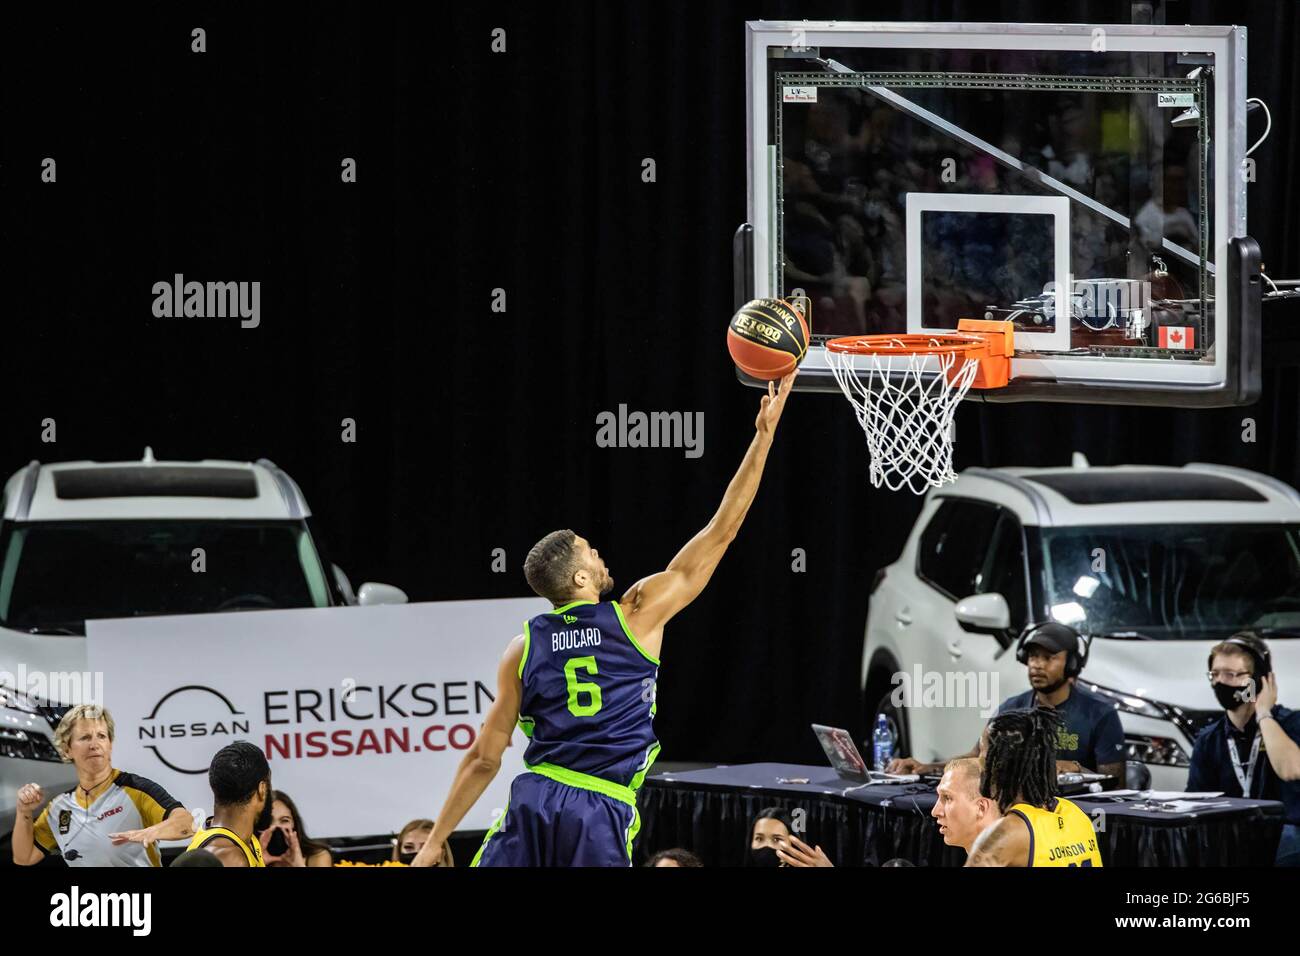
(580, 683)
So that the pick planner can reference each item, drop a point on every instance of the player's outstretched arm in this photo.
(483, 759)
(652, 601)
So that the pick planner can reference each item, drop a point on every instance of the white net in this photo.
(905, 403)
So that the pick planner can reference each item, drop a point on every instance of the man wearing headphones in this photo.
(1227, 754)
(1090, 738)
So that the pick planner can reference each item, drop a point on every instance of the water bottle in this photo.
(882, 743)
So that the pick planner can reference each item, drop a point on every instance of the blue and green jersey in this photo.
(588, 701)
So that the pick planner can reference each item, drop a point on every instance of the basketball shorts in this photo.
(548, 823)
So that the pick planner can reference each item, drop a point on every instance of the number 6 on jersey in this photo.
(576, 687)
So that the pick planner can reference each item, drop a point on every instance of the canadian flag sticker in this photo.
(1177, 337)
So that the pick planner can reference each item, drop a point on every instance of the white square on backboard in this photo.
(1058, 207)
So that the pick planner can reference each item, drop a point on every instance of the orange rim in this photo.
(989, 343)
(908, 344)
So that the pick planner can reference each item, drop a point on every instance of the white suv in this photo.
(82, 540)
(1154, 565)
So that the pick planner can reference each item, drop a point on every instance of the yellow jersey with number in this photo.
(252, 851)
(1062, 836)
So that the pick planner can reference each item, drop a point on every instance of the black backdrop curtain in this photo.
(476, 430)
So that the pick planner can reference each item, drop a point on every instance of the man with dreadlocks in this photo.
(1037, 828)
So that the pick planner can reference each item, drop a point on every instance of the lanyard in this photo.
(1244, 778)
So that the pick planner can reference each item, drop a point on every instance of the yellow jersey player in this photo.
(1037, 828)
(242, 796)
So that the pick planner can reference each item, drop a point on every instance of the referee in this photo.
(111, 818)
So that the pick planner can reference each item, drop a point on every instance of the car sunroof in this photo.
(169, 481)
(1095, 488)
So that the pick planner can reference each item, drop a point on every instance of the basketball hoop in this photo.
(905, 390)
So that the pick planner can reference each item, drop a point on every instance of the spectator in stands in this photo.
(675, 857)
(770, 831)
(960, 810)
(293, 847)
(772, 843)
(412, 840)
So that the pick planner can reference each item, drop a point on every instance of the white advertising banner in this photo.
(364, 713)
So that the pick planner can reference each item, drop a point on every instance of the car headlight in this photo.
(22, 726)
(23, 745)
(1132, 704)
(1164, 751)
(16, 700)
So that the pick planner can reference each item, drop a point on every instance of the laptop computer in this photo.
(842, 752)
(844, 756)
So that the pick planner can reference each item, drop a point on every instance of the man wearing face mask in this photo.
(1252, 750)
(241, 793)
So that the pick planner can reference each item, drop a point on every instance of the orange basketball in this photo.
(767, 338)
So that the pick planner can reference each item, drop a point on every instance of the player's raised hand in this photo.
(773, 403)
(30, 797)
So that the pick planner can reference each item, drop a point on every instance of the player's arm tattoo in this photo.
(995, 846)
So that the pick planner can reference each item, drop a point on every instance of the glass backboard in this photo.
(1085, 182)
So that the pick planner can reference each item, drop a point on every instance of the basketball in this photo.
(767, 338)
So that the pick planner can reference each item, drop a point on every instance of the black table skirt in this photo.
(714, 822)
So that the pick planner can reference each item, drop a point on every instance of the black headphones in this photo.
(1255, 648)
(1076, 657)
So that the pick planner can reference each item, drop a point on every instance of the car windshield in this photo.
(56, 575)
(1174, 581)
